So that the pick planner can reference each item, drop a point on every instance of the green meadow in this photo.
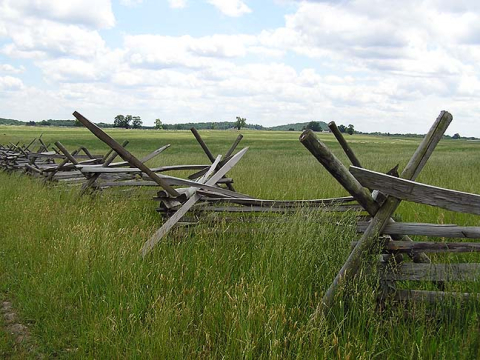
(225, 289)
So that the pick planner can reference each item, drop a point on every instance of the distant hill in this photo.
(10, 122)
(297, 126)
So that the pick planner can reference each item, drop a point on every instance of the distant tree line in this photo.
(130, 121)
(223, 125)
(51, 122)
(316, 126)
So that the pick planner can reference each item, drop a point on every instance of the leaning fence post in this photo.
(66, 153)
(379, 221)
(343, 143)
(99, 133)
(209, 153)
(334, 166)
(91, 181)
(60, 166)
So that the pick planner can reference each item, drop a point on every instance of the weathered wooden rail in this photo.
(388, 192)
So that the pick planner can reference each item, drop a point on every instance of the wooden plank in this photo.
(209, 153)
(174, 181)
(87, 152)
(433, 296)
(160, 233)
(106, 184)
(94, 177)
(66, 153)
(432, 247)
(280, 203)
(56, 169)
(323, 154)
(433, 272)
(202, 144)
(438, 230)
(211, 170)
(99, 133)
(419, 193)
(114, 170)
(262, 209)
(343, 143)
(234, 146)
(383, 215)
(30, 144)
(111, 155)
(429, 247)
(154, 153)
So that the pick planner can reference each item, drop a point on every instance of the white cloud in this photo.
(131, 3)
(7, 68)
(89, 13)
(156, 51)
(42, 38)
(10, 83)
(42, 29)
(177, 4)
(233, 8)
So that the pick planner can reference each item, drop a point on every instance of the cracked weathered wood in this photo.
(433, 272)
(331, 163)
(282, 203)
(335, 167)
(429, 247)
(417, 192)
(433, 296)
(109, 170)
(383, 215)
(438, 230)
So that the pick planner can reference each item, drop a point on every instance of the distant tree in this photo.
(158, 124)
(314, 126)
(123, 121)
(342, 128)
(127, 121)
(456, 136)
(350, 129)
(241, 122)
(291, 129)
(136, 122)
(31, 123)
(45, 123)
(119, 121)
(77, 123)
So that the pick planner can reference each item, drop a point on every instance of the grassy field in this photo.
(71, 265)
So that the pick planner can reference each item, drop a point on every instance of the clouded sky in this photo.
(386, 66)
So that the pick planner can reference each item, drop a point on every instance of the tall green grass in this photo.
(225, 289)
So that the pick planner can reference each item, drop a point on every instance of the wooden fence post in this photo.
(343, 143)
(125, 155)
(366, 242)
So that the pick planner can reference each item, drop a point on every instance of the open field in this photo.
(72, 267)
